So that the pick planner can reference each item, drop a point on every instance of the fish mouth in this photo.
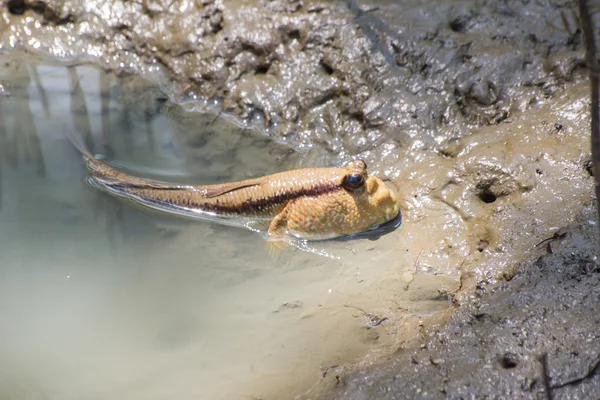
(374, 232)
(392, 223)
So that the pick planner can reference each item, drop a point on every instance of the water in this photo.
(102, 300)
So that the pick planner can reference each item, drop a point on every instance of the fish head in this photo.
(375, 202)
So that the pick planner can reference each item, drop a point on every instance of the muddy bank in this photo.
(475, 111)
(492, 347)
(351, 76)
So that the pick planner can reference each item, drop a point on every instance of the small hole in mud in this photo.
(16, 7)
(509, 360)
(589, 167)
(539, 171)
(327, 68)
(459, 24)
(482, 245)
(217, 28)
(295, 34)
(261, 70)
(486, 195)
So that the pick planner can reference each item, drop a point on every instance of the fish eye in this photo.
(354, 180)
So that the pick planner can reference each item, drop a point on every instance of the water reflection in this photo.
(102, 300)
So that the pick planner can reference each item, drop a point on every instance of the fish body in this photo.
(312, 203)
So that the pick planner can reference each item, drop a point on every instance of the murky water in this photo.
(101, 300)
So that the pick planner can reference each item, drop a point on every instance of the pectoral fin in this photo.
(274, 248)
(277, 232)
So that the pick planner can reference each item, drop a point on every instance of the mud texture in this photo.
(475, 110)
(493, 347)
(345, 75)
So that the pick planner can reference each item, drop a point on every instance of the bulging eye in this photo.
(354, 180)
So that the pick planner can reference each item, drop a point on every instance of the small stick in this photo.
(592, 62)
(546, 377)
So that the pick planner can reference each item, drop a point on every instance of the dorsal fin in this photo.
(218, 190)
(208, 191)
(115, 181)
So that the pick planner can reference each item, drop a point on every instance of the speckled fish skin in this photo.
(312, 203)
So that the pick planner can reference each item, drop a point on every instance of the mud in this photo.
(494, 347)
(476, 112)
(346, 74)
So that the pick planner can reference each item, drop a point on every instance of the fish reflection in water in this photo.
(23, 138)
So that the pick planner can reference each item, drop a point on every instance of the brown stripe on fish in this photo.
(224, 205)
(265, 203)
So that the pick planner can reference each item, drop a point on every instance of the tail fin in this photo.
(93, 163)
(79, 144)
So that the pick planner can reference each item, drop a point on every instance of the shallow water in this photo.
(99, 299)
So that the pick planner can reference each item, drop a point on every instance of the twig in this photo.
(557, 235)
(590, 44)
(546, 377)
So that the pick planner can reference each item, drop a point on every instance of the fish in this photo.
(309, 203)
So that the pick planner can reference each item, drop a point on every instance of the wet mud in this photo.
(477, 112)
(534, 337)
(344, 74)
